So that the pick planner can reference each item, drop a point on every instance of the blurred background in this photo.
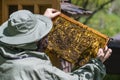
(104, 16)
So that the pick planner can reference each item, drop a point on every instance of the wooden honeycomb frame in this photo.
(74, 41)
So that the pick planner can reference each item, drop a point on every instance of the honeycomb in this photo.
(74, 41)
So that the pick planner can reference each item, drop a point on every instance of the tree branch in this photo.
(101, 7)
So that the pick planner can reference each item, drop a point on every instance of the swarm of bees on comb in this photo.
(74, 41)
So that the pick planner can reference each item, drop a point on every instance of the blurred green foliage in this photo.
(90, 4)
(106, 23)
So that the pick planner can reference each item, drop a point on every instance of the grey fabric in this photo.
(24, 27)
(39, 67)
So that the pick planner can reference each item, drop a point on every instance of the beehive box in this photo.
(74, 41)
